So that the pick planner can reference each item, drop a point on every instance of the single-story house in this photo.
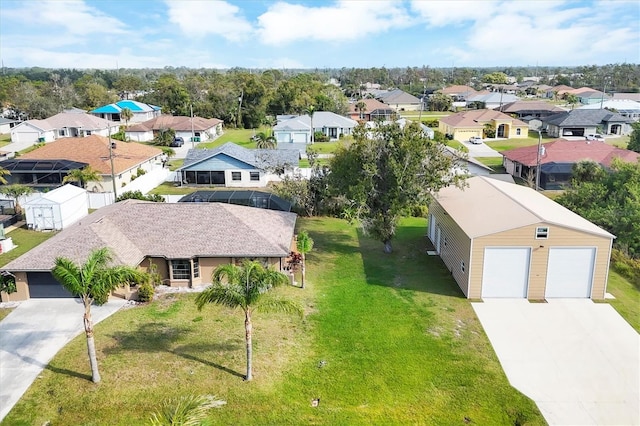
(202, 129)
(6, 124)
(502, 240)
(185, 242)
(231, 165)
(297, 130)
(491, 100)
(399, 100)
(626, 96)
(624, 107)
(557, 159)
(459, 93)
(70, 123)
(582, 122)
(46, 166)
(141, 111)
(463, 125)
(373, 110)
(592, 97)
(556, 92)
(526, 110)
(57, 209)
(466, 165)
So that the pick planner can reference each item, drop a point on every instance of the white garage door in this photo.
(570, 272)
(505, 272)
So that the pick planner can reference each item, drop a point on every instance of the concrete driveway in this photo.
(32, 334)
(578, 360)
(481, 150)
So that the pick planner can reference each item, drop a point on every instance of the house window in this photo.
(542, 232)
(518, 132)
(236, 176)
(518, 169)
(196, 134)
(87, 132)
(462, 266)
(61, 132)
(181, 269)
(196, 268)
(254, 175)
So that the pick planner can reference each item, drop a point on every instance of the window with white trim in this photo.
(517, 132)
(196, 268)
(542, 232)
(181, 269)
(254, 175)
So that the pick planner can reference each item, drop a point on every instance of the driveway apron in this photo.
(32, 334)
(578, 360)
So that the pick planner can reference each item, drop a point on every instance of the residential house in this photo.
(62, 125)
(202, 129)
(459, 93)
(373, 110)
(491, 100)
(463, 125)
(582, 122)
(556, 91)
(45, 167)
(399, 100)
(593, 97)
(527, 110)
(6, 124)
(141, 111)
(501, 240)
(557, 159)
(626, 96)
(231, 165)
(624, 107)
(297, 130)
(184, 242)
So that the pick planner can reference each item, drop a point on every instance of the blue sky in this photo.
(317, 34)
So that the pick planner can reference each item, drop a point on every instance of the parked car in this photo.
(177, 142)
(595, 137)
(475, 140)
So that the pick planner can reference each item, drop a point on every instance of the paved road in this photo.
(32, 335)
(578, 360)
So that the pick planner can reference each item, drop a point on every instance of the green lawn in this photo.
(175, 163)
(25, 240)
(241, 137)
(398, 344)
(627, 299)
(506, 144)
(168, 188)
(330, 147)
(305, 163)
(5, 139)
(4, 312)
(457, 145)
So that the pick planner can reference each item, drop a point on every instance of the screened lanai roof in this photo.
(25, 165)
(263, 200)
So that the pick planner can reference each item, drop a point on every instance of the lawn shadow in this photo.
(187, 352)
(409, 266)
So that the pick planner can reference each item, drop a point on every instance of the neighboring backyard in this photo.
(387, 339)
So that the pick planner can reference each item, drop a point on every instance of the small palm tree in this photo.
(185, 411)
(304, 244)
(126, 114)
(246, 287)
(265, 142)
(4, 172)
(93, 281)
(82, 176)
(165, 137)
(361, 107)
(16, 191)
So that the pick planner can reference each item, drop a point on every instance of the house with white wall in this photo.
(140, 111)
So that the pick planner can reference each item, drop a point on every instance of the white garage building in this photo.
(504, 240)
(57, 209)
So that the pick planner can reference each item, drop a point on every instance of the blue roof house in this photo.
(141, 111)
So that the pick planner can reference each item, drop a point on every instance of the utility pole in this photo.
(113, 175)
(193, 135)
(538, 159)
(239, 108)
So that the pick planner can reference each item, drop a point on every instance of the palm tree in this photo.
(311, 110)
(165, 137)
(571, 99)
(265, 142)
(126, 114)
(361, 107)
(93, 281)
(246, 287)
(16, 191)
(3, 172)
(304, 244)
(82, 176)
(187, 410)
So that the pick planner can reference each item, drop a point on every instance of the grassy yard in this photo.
(457, 145)
(398, 344)
(627, 299)
(305, 163)
(5, 139)
(168, 188)
(25, 240)
(330, 147)
(4, 312)
(241, 137)
(493, 162)
(506, 144)
(175, 163)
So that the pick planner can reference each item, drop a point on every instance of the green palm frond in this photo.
(272, 304)
(190, 410)
(229, 295)
(68, 274)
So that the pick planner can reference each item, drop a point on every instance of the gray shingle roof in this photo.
(320, 119)
(584, 117)
(397, 96)
(134, 229)
(258, 158)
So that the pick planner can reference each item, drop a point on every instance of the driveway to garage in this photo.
(481, 150)
(578, 360)
(32, 334)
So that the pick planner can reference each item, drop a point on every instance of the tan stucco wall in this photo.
(22, 287)
(558, 237)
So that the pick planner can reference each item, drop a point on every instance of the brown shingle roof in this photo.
(135, 229)
(479, 117)
(94, 150)
(458, 90)
(372, 105)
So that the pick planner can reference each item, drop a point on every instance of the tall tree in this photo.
(16, 191)
(388, 170)
(304, 244)
(247, 287)
(634, 140)
(263, 141)
(361, 107)
(126, 114)
(93, 281)
(82, 176)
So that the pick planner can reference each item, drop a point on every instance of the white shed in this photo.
(57, 209)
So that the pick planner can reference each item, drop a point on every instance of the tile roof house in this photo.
(530, 109)
(92, 151)
(62, 125)
(142, 233)
(399, 100)
(502, 240)
(204, 129)
(231, 165)
(558, 157)
(581, 122)
(374, 110)
(141, 111)
(463, 125)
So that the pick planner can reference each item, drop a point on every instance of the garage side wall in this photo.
(22, 287)
(455, 246)
(558, 237)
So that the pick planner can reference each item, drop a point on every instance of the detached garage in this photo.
(502, 240)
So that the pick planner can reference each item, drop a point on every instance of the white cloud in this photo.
(73, 17)
(346, 20)
(443, 13)
(199, 18)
